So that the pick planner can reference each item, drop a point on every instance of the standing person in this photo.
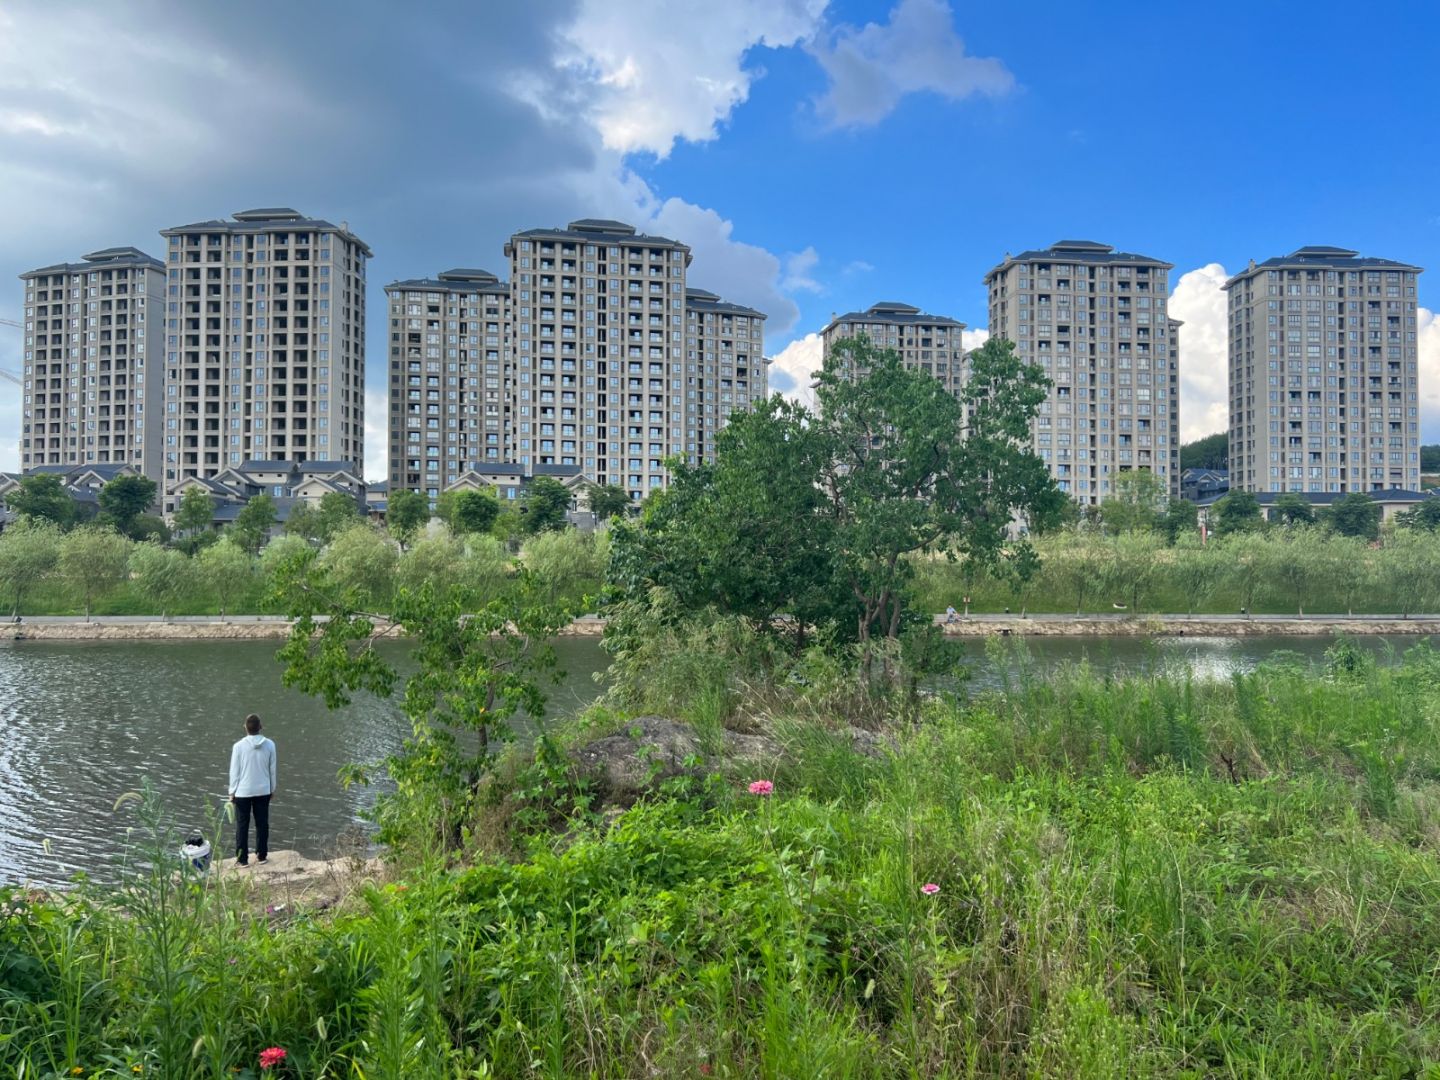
(252, 782)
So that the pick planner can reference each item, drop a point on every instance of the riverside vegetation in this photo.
(1070, 876)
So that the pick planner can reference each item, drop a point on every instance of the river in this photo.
(85, 723)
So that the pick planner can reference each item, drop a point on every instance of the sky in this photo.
(816, 156)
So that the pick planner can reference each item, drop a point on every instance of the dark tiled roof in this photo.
(555, 470)
(700, 300)
(599, 231)
(108, 258)
(327, 466)
(266, 220)
(890, 311)
(1323, 258)
(1325, 498)
(452, 282)
(1079, 251)
(267, 465)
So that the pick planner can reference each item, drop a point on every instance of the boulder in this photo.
(652, 749)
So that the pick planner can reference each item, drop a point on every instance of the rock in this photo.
(652, 749)
(287, 877)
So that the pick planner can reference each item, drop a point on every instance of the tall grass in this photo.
(1139, 877)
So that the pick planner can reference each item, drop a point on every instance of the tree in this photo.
(437, 561)
(1410, 570)
(145, 527)
(1430, 458)
(41, 496)
(228, 569)
(161, 575)
(908, 467)
(29, 551)
(125, 498)
(1197, 569)
(338, 511)
(1293, 564)
(1424, 515)
(1349, 568)
(1138, 499)
(1292, 508)
(1180, 519)
(746, 536)
(568, 566)
(253, 523)
(471, 511)
(94, 560)
(1355, 514)
(361, 562)
(1075, 567)
(609, 500)
(1133, 567)
(1238, 511)
(405, 513)
(1247, 554)
(486, 568)
(194, 514)
(544, 505)
(1211, 452)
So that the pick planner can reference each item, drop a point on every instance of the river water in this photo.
(82, 724)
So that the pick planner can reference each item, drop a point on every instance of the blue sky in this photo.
(818, 157)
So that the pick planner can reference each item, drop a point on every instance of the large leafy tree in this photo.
(194, 515)
(910, 468)
(544, 505)
(406, 512)
(228, 571)
(125, 498)
(1292, 508)
(609, 500)
(1425, 515)
(29, 551)
(161, 575)
(253, 523)
(469, 511)
(1355, 514)
(747, 536)
(1136, 504)
(41, 496)
(1239, 511)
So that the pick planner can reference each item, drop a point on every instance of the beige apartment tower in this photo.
(92, 382)
(265, 343)
(725, 368)
(1095, 321)
(928, 343)
(598, 366)
(449, 378)
(1324, 392)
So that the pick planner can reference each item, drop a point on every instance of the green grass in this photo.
(1148, 877)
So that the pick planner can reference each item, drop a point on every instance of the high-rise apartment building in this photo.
(264, 343)
(1095, 320)
(724, 367)
(449, 377)
(92, 380)
(1324, 392)
(928, 343)
(599, 326)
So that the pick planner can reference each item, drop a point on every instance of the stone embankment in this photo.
(187, 628)
(274, 627)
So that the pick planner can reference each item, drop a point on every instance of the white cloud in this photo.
(793, 368)
(871, 68)
(799, 271)
(1428, 323)
(1199, 301)
(649, 72)
(972, 337)
(377, 435)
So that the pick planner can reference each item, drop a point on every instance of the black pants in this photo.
(259, 805)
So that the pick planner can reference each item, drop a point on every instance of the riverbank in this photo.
(275, 627)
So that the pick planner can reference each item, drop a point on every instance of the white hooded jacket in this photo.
(252, 767)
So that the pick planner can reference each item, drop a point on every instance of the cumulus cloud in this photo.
(377, 434)
(872, 67)
(1428, 325)
(651, 72)
(793, 368)
(1198, 300)
(972, 337)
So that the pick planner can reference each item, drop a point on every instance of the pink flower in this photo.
(271, 1057)
(929, 888)
(762, 787)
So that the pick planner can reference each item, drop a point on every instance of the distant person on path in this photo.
(950, 615)
(252, 782)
